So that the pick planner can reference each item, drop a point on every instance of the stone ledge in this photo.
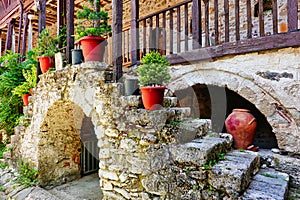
(233, 174)
(269, 184)
(199, 151)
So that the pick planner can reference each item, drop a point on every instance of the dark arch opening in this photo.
(200, 100)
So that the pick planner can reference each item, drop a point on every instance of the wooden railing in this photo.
(194, 24)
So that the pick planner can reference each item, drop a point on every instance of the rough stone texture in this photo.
(229, 71)
(234, 173)
(142, 154)
(268, 184)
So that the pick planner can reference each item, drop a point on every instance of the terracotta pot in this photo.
(46, 62)
(31, 91)
(92, 48)
(25, 99)
(152, 97)
(241, 125)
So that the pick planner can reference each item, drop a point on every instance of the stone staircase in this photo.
(202, 164)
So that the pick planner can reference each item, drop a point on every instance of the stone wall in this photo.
(269, 80)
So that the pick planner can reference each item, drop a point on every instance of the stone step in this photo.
(268, 184)
(136, 101)
(232, 175)
(191, 129)
(200, 151)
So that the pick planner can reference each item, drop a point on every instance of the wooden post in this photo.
(23, 53)
(42, 15)
(0, 43)
(117, 10)
(196, 9)
(134, 32)
(292, 8)
(61, 15)
(8, 44)
(20, 27)
(70, 29)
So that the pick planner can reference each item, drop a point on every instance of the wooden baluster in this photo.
(226, 10)
(171, 31)
(164, 45)
(206, 22)
(134, 25)
(150, 34)
(261, 17)
(249, 19)
(237, 20)
(128, 46)
(186, 27)
(157, 32)
(178, 29)
(144, 37)
(216, 21)
(275, 16)
(292, 8)
(196, 21)
(24, 38)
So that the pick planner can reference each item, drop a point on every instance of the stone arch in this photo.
(247, 87)
(61, 135)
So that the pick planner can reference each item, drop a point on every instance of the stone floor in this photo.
(86, 188)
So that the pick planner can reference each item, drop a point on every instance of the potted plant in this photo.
(92, 30)
(23, 90)
(153, 74)
(46, 49)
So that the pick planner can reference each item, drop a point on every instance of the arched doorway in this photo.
(216, 103)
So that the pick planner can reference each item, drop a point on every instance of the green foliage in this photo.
(90, 17)
(31, 81)
(47, 44)
(11, 76)
(27, 175)
(2, 188)
(211, 163)
(269, 175)
(2, 150)
(154, 70)
(3, 165)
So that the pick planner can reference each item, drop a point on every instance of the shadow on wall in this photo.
(224, 101)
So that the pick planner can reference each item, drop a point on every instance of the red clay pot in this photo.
(46, 62)
(92, 48)
(25, 99)
(152, 97)
(241, 125)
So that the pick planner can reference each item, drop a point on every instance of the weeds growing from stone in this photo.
(27, 175)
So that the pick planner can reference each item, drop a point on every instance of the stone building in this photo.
(224, 55)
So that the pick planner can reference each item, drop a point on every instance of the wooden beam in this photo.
(134, 31)
(42, 15)
(70, 29)
(8, 43)
(25, 28)
(117, 10)
(278, 41)
(20, 26)
(292, 8)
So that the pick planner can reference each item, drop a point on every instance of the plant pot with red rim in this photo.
(25, 99)
(92, 34)
(153, 75)
(46, 49)
(241, 124)
(93, 47)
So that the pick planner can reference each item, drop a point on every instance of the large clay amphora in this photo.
(241, 125)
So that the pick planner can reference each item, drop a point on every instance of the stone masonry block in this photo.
(199, 151)
(234, 173)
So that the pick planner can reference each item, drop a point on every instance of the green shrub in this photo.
(91, 17)
(27, 175)
(154, 70)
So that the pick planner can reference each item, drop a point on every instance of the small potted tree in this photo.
(92, 30)
(46, 49)
(25, 88)
(153, 74)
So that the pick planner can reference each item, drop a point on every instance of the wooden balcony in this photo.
(194, 29)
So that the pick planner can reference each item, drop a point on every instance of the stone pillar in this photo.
(30, 32)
